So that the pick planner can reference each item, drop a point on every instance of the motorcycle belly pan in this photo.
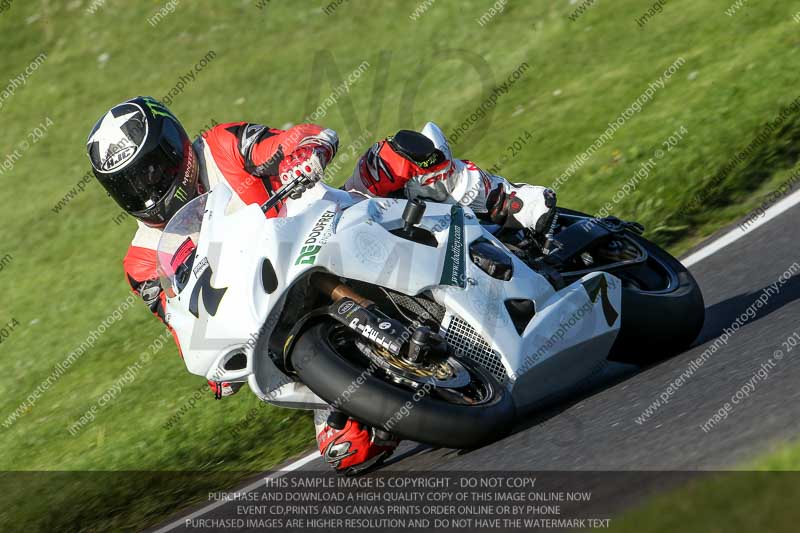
(566, 341)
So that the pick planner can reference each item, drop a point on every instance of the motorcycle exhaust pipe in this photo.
(336, 290)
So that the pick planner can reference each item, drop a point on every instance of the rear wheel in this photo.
(656, 324)
(662, 305)
(455, 404)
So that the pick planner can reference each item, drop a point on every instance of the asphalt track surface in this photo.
(598, 431)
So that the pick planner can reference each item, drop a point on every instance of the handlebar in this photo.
(283, 192)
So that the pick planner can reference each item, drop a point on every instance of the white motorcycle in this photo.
(414, 318)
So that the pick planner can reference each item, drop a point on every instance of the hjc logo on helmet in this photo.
(118, 154)
(118, 137)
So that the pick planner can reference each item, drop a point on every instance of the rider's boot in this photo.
(224, 388)
(348, 446)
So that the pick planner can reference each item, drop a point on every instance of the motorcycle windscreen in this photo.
(176, 248)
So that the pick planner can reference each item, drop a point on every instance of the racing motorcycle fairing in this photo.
(224, 308)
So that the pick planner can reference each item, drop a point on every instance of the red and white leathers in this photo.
(384, 170)
(248, 158)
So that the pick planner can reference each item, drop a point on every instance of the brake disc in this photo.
(449, 374)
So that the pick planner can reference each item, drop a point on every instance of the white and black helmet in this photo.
(143, 157)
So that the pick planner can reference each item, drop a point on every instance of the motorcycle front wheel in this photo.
(328, 359)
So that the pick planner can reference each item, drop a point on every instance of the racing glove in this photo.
(522, 206)
(307, 161)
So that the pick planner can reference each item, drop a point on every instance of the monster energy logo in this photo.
(180, 194)
(158, 109)
(428, 162)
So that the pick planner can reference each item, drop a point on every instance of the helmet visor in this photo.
(140, 186)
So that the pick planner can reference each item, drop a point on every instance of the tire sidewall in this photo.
(655, 325)
(381, 404)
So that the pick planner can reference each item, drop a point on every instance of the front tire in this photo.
(367, 397)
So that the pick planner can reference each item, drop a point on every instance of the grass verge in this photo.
(275, 63)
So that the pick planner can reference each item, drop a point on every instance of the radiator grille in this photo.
(468, 343)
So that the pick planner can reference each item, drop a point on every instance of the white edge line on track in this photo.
(249, 488)
(737, 233)
(704, 252)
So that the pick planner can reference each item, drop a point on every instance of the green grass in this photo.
(65, 276)
(761, 496)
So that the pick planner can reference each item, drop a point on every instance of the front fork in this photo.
(363, 317)
(414, 343)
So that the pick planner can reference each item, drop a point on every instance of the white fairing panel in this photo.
(566, 340)
(234, 245)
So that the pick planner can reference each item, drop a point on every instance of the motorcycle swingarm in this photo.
(575, 240)
(582, 235)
